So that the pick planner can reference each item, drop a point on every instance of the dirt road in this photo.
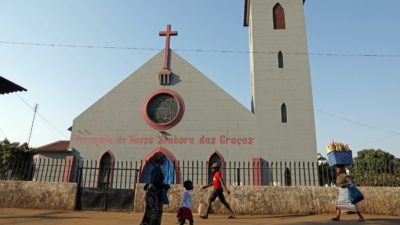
(47, 217)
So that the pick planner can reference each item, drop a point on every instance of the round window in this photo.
(163, 109)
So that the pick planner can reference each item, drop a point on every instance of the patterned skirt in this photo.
(342, 201)
(153, 208)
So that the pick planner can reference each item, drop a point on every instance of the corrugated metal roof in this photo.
(7, 86)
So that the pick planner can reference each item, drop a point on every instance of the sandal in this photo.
(232, 216)
(204, 217)
(335, 219)
(361, 220)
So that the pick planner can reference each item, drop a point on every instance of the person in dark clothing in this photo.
(219, 186)
(153, 198)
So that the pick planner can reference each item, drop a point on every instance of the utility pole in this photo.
(33, 121)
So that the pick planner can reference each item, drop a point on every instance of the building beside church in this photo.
(169, 106)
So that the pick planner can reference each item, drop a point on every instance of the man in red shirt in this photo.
(219, 187)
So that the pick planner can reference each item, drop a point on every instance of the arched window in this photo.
(280, 59)
(105, 171)
(215, 157)
(284, 113)
(279, 17)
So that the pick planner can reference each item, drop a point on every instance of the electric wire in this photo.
(41, 116)
(356, 122)
(195, 50)
(393, 133)
(376, 140)
(211, 51)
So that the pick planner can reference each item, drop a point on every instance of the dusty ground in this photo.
(46, 217)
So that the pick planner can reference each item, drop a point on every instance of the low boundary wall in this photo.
(38, 195)
(281, 200)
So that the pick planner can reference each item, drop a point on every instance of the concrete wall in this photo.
(37, 195)
(281, 200)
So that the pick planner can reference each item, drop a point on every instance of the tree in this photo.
(376, 167)
(12, 154)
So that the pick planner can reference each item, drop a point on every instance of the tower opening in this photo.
(279, 17)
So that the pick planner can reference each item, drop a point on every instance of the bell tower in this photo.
(280, 79)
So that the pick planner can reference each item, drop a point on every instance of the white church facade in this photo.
(169, 106)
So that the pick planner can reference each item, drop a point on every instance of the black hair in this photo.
(341, 166)
(187, 184)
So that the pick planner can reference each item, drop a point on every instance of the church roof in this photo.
(58, 146)
(7, 86)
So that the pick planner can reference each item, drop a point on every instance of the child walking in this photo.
(185, 212)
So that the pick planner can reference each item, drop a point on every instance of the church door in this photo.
(168, 170)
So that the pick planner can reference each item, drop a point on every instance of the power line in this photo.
(393, 133)
(356, 122)
(376, 140)
(196, 50)
(46, 120)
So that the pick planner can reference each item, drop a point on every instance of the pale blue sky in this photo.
(355, 97)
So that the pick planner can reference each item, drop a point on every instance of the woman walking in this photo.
(342, 201)
(154, 190)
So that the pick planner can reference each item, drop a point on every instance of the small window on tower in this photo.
(279, 17)
(284, 113)
(280, 59)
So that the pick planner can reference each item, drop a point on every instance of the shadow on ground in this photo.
(47, 215)
(353, 221)
(270, 217)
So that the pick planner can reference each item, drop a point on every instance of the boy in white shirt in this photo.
(185, 212)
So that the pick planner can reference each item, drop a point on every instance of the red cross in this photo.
(168, 33)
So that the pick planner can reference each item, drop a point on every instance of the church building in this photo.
(169, 106)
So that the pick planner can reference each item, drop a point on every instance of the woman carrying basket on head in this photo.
(343, 203)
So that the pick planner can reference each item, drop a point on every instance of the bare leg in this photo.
(205, 216)
(226, 204)
(337, 218)
(360, 217)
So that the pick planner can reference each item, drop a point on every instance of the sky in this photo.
(353, 49)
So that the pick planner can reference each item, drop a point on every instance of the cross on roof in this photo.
(168, 33)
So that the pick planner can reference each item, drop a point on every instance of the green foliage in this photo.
(11, 153)
(375, 167)
(374, 156)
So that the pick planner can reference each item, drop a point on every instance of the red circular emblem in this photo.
(163, 109)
